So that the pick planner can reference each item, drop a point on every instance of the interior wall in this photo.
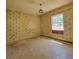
(46, 28)
(21, 26)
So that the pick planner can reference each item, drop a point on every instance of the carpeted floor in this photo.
(40, 48)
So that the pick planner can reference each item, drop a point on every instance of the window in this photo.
(57, 23)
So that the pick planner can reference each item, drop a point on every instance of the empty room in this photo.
(39, 29)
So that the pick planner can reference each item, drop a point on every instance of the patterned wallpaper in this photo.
(68, 25)
(46, 27)
(21, 26)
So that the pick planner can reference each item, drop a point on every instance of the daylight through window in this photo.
(57, 23)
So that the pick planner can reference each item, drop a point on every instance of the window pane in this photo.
(57, 22)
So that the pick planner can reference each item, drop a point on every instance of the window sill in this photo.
(57, 32)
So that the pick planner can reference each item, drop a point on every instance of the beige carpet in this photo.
(40, 48)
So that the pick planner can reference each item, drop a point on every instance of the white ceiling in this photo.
(32, 6)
